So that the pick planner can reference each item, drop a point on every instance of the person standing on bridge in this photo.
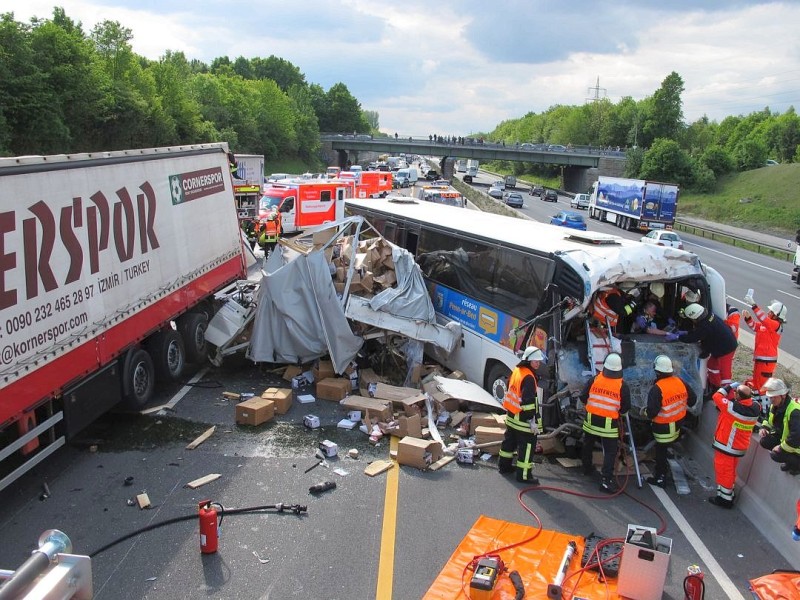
(667, 402)
(738, 415)
(522, 417)
(768, 329)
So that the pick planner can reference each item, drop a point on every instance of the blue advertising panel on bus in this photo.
(473, 315)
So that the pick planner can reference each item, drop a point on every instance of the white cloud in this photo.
(457, 67)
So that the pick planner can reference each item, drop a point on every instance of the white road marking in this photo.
(185, 389)
(760, 266)
(714, 568)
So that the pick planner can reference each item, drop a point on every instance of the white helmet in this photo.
(532, 353)
(657, 289)
(626, 286)
(778, 309)
(694, 312)
(774, 387)
(613, 362)
(663, 364)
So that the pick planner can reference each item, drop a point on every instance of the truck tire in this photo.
(138, 379)
(168, 352)
(192, 326)
(497, 381)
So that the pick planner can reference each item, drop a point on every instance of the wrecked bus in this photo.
(511, 283)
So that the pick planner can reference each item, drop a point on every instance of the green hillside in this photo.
(766, 198)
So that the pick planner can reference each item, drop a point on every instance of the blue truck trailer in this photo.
(634, 204)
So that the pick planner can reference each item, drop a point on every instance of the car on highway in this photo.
(513, 199)
(496, 191)
(536, 190)
(432, 175)
(580, 201)
(550, 196)
(661, 237)
(568, 218)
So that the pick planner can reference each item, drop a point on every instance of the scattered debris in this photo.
(128, 480)
(203, 480)
(340, 471)
(201, 438)
(263, 561)
(143, 500)
(353, 453)
(377, 467)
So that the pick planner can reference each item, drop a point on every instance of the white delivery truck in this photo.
(107, 279)
(472, 170)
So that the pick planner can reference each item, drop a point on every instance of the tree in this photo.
(666, 161)
(344, 112)
(281, 71)
(750, 154)
(718, 160)
(665, 116)
(372, 119)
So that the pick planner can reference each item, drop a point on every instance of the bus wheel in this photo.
(138, 379)
(192, 326)
(168, 353)
(498, 381)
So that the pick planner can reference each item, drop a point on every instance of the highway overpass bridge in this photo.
(579, 166)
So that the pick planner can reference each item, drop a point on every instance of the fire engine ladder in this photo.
(601, 342)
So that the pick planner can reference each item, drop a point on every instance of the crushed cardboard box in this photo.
(418, 453)
(485, 435)
(405, 426)
(282, 397)
(380, 409)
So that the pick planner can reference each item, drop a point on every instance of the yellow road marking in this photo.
(386, 564)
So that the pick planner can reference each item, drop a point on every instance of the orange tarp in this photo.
(537, 562)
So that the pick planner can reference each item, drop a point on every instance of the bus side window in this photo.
(390, 232)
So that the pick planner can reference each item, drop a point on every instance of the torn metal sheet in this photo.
(466, 391)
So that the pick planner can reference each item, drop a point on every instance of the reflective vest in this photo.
(735, 424)
(512, 401)
(270, 229)
(768, 335)
(605, 398)
(790, 408)
(673, 400)
(602, 311)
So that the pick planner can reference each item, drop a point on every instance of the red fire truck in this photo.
(305, 203)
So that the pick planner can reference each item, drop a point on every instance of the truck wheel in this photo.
(497, 382)
(138, 379)
(192, 326)
(168, 353)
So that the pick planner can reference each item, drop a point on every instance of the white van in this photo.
(406, 177)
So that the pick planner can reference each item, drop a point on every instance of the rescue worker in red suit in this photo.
(610, 305)
(781, 431)
(522, 417)
(732, 320)
(605, 397)
(666, 407)
(717, 343)
(738, 415)
(768, 329)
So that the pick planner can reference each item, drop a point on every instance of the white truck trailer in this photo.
(107, 276)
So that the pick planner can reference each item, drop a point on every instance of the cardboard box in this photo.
(254, 411)
(489, 434)
(482, 419)
(380, 409)
(643, 570)
(407, 426)
(282, 397)
(311, 421)
(442, 399)
(319, 238)
(411, 405)
(339, 287)
(386, 279)
(291, 372)
(393, 392)
(418, 453)
(333, 388)
(323, 370)
(329, 448)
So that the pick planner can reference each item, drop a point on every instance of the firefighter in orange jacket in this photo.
(522, 417)
(270, 231)
(605, 397)
(610, 305)
(666, 407)
(738, 415)
(768, 329)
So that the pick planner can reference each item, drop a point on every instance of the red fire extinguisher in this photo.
(209, 527)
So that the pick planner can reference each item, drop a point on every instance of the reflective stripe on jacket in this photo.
(602, 311)
(788, 432)
(673, 400)
(735, 424)
(602, 406)
(512, 402)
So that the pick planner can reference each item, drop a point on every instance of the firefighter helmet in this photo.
(694, 312)
(613, 362)
(532, 353)
(778, 309)
(774, 387)
(657, 289)
(663, 364)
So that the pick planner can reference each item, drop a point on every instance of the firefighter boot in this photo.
(608, 485)
(721, 502)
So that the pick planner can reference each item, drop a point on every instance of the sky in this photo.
(456, 67)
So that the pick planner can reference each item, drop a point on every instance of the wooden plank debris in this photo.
(377, 467)
(441, 462)
(201, 438)
(203, 480)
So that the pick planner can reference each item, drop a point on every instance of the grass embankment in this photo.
(294, 166)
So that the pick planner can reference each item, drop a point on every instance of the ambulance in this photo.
(305, 203)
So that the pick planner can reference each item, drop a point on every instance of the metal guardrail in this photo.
(727, 237)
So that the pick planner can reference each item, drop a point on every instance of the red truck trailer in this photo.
(106, 284)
